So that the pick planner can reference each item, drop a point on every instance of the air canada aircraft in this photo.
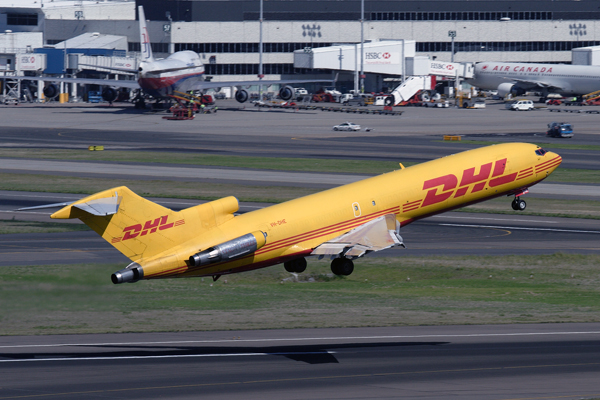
(182, 71)
(342, 223)
(518, 78)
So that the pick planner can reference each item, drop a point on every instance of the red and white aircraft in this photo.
(182, 71)
(517, 78)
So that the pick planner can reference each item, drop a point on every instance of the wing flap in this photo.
(378, 234)
(534, 84)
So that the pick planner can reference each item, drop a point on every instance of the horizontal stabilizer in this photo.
(101, 207)
(54, 205)
(378, 234)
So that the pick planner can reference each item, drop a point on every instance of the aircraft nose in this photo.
(551, 162)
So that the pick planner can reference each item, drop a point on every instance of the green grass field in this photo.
(407, 290)
(367, 167)
(381, 292)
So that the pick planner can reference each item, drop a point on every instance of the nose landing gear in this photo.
(518, 204)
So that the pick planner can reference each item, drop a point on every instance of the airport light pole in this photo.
(260, 51)
(362, 43)
(452, 35)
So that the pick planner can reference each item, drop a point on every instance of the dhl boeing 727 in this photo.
(342, 223)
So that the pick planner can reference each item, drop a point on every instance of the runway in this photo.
(449, 234)
(503, 362)
(548, 361)
(416, 136)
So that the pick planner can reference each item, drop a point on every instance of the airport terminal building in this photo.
(226, 33)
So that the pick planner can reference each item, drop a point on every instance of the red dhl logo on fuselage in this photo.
(449, 182)
(450, 186)
(149, 227)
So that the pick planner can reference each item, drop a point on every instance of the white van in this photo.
(521, 105)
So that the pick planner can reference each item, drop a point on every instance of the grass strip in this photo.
(69, 299)
(366, 167)
(263, 194)
(152, 188)
(197, 158)
(566, 146)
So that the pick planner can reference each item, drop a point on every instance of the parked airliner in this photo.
(518, 78)
(182, 71)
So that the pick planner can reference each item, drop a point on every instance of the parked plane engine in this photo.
(286, 93)
(109, 94)
(507, 87)
(51, 91)
(241, 96)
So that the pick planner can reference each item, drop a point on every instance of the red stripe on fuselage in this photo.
(165, 84)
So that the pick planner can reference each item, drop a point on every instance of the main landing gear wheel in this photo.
(342, 266)
(298, 265)
(518, 204)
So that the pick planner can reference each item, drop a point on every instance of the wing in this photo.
(529, 84)
(84, 81)
(193, 84)
(378, 234)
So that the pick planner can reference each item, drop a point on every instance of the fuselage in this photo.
(296, 227)
(568, 79)
(161, 78)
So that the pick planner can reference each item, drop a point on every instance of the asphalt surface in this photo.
(415, 136)
(449, 234)
(471, 362)
(550, 361)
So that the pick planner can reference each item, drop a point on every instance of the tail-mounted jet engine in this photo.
(227, 251)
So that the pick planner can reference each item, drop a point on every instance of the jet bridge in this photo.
(386, 58)
(421, 77)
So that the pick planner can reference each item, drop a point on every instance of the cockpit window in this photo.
(540, 152)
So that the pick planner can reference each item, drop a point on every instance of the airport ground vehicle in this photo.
(347, 126)
(474, 103)
(560, 130)
(521, 105)
(554, 102)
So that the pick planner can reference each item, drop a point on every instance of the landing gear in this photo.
(342, 266)
(138, 100)
(298, 265)
(518, 204)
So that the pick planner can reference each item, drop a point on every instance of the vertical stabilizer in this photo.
(145, 47)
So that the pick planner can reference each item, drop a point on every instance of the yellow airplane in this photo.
(343, 223)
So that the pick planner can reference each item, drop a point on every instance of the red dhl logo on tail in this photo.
(450, 182)
(149, 227)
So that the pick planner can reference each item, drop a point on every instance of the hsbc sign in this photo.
(30, 62)
(443, 68)
(382, 57)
